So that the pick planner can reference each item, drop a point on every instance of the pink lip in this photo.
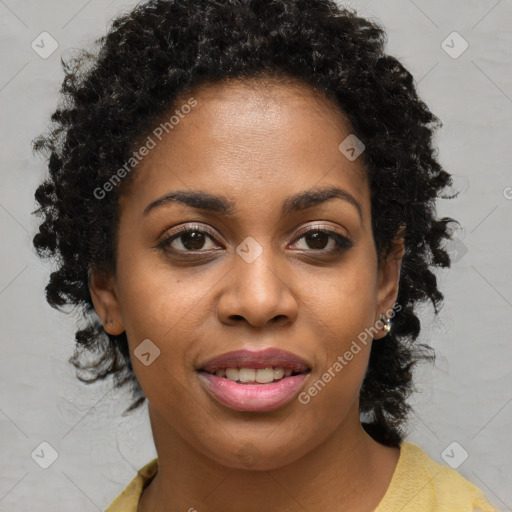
(256, 359)
(253, 397)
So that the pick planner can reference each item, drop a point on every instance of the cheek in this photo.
(341, 306)
(343, 300)
(158, 305)
(156, 308)
(153, 299)
(334, 385)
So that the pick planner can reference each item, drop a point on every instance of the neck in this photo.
(347, 471)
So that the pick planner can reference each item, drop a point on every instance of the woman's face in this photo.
(252, 276)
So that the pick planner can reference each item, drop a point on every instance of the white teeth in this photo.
(260, 375)
(264, 375)
(278, 372)
(232, 374)
(246, 375)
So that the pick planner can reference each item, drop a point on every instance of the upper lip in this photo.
(256, 359)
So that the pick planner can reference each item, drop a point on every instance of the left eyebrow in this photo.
(220, 204)
(316, 196)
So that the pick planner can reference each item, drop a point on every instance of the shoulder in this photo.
(420, 484)
(128, 500)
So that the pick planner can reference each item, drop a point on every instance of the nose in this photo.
(259, 292)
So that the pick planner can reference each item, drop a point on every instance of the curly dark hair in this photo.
(112, 99)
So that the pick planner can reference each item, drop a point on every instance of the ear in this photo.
(389, 278)
(102, 286)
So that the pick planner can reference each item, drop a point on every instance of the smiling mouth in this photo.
(247, 375)
(262, 389)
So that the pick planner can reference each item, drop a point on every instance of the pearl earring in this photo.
(387, 323)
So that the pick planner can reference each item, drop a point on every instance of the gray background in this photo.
(466, 398)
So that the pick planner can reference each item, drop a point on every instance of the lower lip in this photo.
(253, 397)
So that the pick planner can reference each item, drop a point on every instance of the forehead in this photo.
(267, 109)
(256, 140)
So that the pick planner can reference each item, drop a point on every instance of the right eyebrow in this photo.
(195, 199)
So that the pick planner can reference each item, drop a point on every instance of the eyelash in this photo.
(342, 242)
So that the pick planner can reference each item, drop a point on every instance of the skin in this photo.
(255, 144)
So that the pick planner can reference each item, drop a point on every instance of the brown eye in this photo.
(188, 240)
(319, 240)
(192, 240)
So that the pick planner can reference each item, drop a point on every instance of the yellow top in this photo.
(419, 484)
